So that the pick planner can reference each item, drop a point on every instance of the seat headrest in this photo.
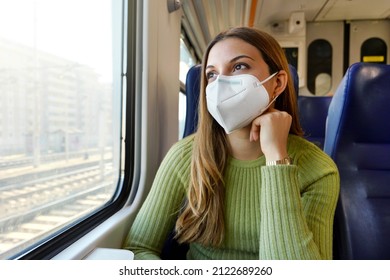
(295, 78)
(313, 112)
(359, 111)
(192, 99)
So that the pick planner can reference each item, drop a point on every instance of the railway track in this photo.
(22, 160)
(33, 210)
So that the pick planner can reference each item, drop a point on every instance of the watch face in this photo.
(285, 161)
(288, 160)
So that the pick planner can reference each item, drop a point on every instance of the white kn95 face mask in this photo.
(235, 101)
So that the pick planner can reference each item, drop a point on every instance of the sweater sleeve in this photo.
(158, 213)
(297, 208)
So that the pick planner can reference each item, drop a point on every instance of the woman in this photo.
(246, 185)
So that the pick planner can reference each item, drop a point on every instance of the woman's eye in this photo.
(210, 75)
(240, 66)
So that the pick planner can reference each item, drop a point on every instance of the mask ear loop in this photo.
(269, 78)
(273, 99)
(270, 103)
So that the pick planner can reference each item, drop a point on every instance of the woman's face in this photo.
(233, 56)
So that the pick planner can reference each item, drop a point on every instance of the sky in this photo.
(78, 30)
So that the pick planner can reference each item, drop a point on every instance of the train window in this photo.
(319, 78)
(374, 50)
(186, 62)
(60, 108)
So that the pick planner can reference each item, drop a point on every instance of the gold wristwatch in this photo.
(285, 161)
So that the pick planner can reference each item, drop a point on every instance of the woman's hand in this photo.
(272, 128)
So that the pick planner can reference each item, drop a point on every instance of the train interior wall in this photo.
(346, 40)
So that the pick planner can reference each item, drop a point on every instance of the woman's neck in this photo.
(240, 146)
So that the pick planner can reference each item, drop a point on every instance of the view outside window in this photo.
(59, 115)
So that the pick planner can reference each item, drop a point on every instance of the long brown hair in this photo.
(202, 218)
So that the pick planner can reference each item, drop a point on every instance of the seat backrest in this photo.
(192, 99)
(295, 78)
(358, 139)
(313, 111)
(192, 96)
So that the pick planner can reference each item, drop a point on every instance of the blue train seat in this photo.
(358, 139)
(192, 99)
(313, 111)
(295, 78)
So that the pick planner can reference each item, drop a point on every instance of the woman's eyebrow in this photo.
(239, 57)
(234, 60)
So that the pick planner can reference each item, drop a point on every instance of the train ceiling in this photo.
(203, 19)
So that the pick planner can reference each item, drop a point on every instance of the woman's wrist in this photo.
(275, 154)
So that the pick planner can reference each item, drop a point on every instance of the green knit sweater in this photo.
(271, 212)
